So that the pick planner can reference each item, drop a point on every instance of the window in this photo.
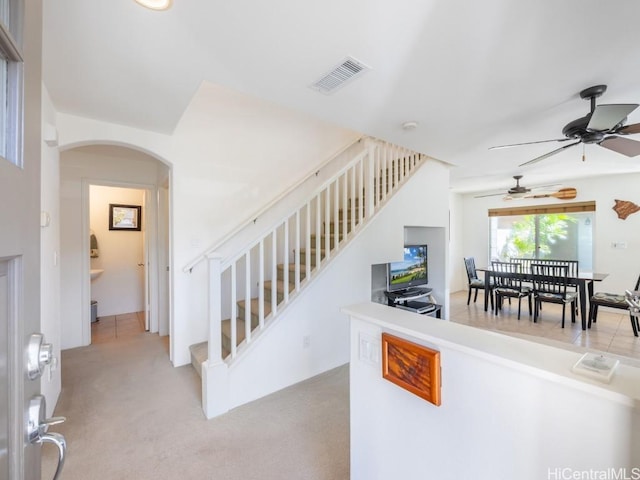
(11, 88)
(558, 232)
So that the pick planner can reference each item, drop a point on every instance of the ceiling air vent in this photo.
(349, 69)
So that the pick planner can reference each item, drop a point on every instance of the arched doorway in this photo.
(114, 167)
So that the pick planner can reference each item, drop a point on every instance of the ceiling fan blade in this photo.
(498, 147)
(539, 187)
(630, 129)
(489, 195)
(547, 155)
(605, 117)
(625, 146)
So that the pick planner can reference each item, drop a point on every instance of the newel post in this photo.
(215, 373)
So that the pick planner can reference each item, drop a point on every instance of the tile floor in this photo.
(612, 333)
(113, 327)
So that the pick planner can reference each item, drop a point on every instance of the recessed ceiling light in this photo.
(156, 4)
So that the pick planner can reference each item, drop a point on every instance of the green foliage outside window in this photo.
(522, 238)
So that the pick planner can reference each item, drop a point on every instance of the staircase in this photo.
(199, 351)
(250, 289)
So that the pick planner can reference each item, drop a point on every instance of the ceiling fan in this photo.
(520, 191)
(601, 126)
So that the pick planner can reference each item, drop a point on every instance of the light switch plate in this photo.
(369, 349)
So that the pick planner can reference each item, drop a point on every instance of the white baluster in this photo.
(247, 296)
(370, 191)
(285, 245)
(297, 256)
(318, 228)
(274, 272)
(261, 284)
(327, 220)
(234, 310)
(307, 242)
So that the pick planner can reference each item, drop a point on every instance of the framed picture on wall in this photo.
(124, 217)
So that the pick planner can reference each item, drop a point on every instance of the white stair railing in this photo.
(298, 247)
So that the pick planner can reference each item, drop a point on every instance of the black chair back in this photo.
(550, 279)
(470, 265)
(506, 282)
(527, 262)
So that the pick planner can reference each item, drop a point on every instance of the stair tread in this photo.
(199, 351)
(255, 305)
(240, 331)
(292, 267)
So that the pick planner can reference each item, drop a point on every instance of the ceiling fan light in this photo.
(156, 4)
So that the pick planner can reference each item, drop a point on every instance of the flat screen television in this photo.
(412, 271)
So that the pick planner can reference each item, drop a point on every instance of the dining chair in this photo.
(572, 271)
(550, 285)
(509, 286)
(476, 283)
(633, 300)
(611, 300)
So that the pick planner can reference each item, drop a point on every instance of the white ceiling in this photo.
(473, 74)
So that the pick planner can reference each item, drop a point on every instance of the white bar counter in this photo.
(511, 408)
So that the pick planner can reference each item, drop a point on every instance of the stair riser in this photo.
(349, 213)
(226, 345)
(255, 318)
(279, 294)
(312, 255)
(292, 273)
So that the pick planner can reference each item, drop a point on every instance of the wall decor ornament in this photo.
(411, 366)
(124, 217)
(624, 208)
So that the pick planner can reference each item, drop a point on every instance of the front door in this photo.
(20, 140)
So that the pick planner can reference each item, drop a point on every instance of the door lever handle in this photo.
(37, 427)
(59, 441)
(141, 264)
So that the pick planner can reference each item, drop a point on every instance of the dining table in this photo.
(583, 280)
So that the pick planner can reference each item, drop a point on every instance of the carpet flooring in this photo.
(131, 415)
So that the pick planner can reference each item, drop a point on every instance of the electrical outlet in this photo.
(306, 341)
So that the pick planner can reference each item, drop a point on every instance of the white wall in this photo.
(457, 276)
(278, 358)
(120, 288)
(502, 416)
(230, 154)
(623, 266)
